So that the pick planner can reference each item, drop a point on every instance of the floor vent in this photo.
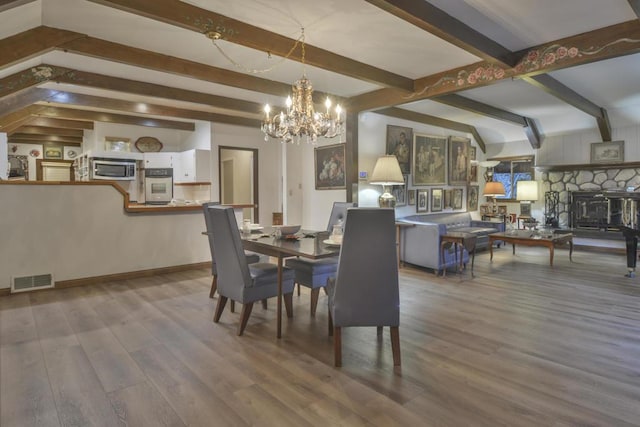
(31, 283)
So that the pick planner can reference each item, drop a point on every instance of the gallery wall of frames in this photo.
(438, 170)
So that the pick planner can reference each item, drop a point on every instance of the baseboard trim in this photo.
(589, 248)
(119, 276)
(130, 275)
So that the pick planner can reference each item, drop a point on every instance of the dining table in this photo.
(304, 244)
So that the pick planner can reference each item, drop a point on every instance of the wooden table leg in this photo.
(551, 250)
(490, 249)
(461, 256)
(444, 270)
(570, 248)
(513, 246)
(279, 309)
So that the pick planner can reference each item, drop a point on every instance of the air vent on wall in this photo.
(31, 283)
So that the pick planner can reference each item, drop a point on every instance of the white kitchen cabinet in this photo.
(159, 160)
(192, 166)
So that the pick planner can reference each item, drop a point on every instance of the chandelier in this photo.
(301, 121)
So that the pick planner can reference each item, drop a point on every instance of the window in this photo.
(511, 170)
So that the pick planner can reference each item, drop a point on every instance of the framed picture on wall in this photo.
(429, 160)
(400, 192)
(472, 198)
(437, 199)
(459, 160)
(329, 167)
(607, 152)
(399, 144)
(422, 204)
(52, 152)
(473, 172)
(472, 152)
(456, 198)
(411, 197)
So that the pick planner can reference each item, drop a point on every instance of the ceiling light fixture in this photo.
(300, 119)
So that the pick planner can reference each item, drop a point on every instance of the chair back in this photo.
(208, 224)
(366, 289)
(338, 212)
(233, 270)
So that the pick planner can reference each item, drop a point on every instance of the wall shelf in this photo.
(588, 166)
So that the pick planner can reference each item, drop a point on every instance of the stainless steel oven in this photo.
(116, 169)
(158, 186)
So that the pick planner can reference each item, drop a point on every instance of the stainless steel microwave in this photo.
(115, 169)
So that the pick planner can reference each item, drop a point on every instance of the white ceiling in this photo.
(361, 31)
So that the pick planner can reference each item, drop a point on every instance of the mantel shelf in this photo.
(561, 168)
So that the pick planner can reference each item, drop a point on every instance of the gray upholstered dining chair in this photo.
(237, 280)
(365, 290)
(314, 273)
(251, 257)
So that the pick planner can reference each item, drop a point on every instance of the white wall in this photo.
(79, 231)
(171, 139)
(199, 138)
(269, 165)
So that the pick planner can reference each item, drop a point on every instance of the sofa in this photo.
(420, 243)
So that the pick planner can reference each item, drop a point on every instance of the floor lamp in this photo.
(387, 172)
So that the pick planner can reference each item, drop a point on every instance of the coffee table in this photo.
(532, 238)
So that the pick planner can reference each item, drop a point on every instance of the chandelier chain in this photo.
(236, 64)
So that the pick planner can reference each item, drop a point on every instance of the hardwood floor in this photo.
(521, 344)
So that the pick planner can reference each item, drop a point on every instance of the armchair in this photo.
(314, 273)
(365, 290)
(237, 280)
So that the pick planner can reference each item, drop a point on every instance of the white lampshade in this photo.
(387, 172)
(527, 190)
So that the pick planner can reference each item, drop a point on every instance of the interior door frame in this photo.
(256, 207)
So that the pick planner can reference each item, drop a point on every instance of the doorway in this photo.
(238, 175)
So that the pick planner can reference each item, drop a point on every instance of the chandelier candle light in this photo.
(301, 119)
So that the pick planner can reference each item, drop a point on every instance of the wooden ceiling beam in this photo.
(568, 95)
(202, 21)
(10, 4)
(33, 42)
(29, 78)
(483, 109)
(46, 130)
(26, 138)
(118, 84)
(437, 22)
(9, 120)
(97, 116)
(61, 123)
(597, 45)
(23, 99)
(401, 113)
(91, 101)
(110, 51)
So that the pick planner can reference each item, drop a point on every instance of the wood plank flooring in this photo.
(519, 344)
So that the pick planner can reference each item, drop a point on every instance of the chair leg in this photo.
(337, 346)
(219, 308)
(244, 316)
(214, 286)
(315, 293)
(288, 304)
(379, 331)
(395, 345)
(264, 303)
(298, 289)
(233, 306)
(330, 324)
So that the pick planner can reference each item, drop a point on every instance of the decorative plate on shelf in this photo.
(148, 144)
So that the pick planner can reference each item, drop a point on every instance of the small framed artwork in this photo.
(473, 173)
(437, 199)
(330, 169)
(525, 209)
(422, 201)
(412, 197)
(400, 192)
(70, 153)
(399, 144)
(429, 160)
(459, 160)
(485, 209)
(502, 209)
(472, 198)
(607, 152)
(52, 152)
(116, 143)
(456, 198)
(472, 152)
(448, 193)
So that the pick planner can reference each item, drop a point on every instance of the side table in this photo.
(459, 239)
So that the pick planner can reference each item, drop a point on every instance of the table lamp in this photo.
(526, 192)
(493, 189)
(387, 172)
